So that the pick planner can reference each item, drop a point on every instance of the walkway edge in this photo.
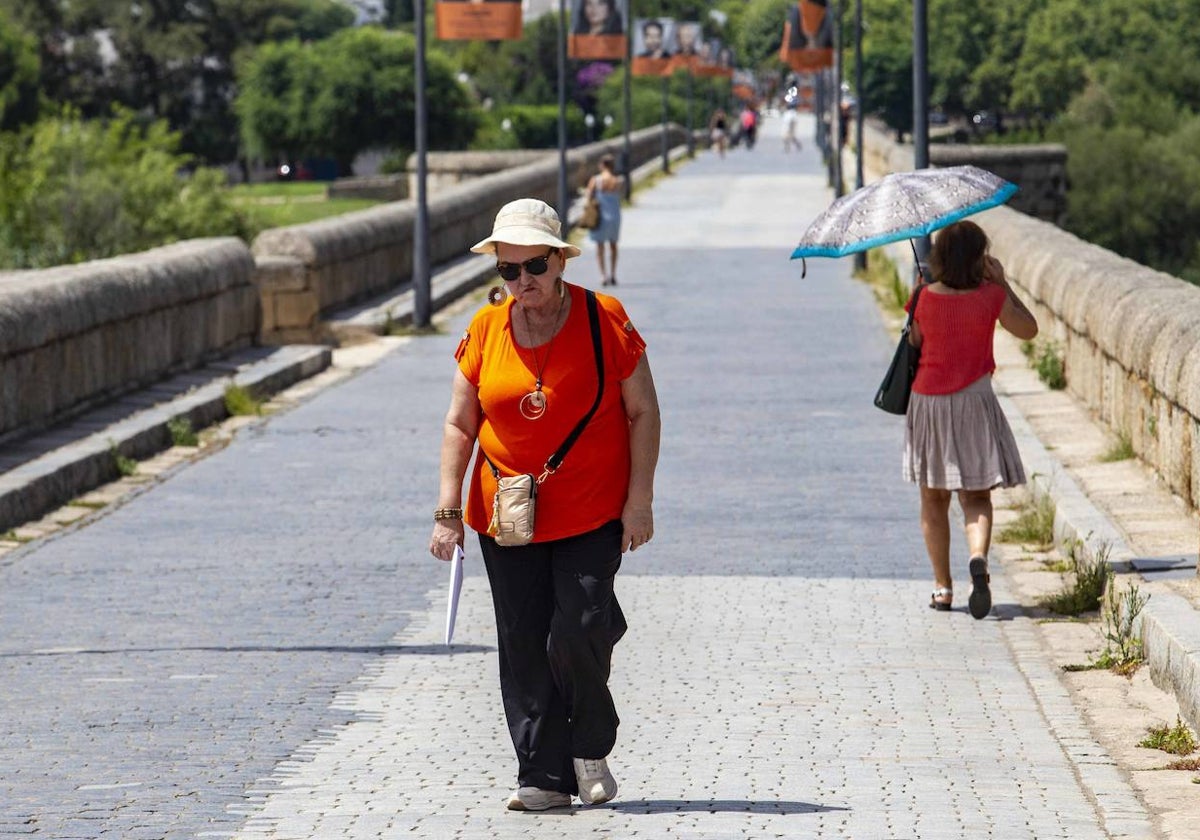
(48, 481)
(1170, 633)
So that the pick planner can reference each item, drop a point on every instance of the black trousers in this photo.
(557, 621)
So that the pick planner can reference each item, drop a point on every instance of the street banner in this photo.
(685, 50)
(807, 43)
(477, 20)
(711, 52)
(652, 38)
(597, 31)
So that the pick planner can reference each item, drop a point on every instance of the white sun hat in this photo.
(526, 221)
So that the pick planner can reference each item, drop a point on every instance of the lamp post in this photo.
(860, 259)
(563, 200)
(627, 93)
(839, 183)
(589, 121)
(422, 297)
(920, 104)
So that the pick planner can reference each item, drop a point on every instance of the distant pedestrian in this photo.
(791, 121)
(749, 120)
(956, 437)
(527, 377)
(607, 187)
(718, 128)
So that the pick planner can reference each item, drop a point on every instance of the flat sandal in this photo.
(942, 599)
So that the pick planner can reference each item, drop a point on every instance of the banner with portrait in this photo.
(652, 38)
(711, 53)
(477, 20)
(597, 30)
(807, 43)
(687, 46)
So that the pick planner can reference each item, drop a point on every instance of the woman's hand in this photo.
(638, 522)
(993, 272)
(447, 533)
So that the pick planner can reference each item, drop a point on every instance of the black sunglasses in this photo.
(537, 266)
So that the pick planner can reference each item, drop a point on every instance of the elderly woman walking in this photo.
(956, 436)
(543, 357)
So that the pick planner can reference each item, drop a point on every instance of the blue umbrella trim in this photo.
(1002, 195)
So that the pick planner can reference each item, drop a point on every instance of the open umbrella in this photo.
(903, 205)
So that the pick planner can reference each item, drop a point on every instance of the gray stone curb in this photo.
(1169, 626)
(84, 458)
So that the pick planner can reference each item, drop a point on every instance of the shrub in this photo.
(74, 190)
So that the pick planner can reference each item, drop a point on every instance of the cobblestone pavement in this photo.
(252, 649)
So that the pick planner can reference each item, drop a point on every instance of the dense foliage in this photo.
(347, 93)
(1117, 82)
(73, 190)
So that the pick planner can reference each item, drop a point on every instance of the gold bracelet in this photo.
(447, 513)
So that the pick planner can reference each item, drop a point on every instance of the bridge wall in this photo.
(1129, 335)
(75, 336)
(313, 268)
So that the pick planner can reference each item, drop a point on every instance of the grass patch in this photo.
(264, 216)
(12, 536)
(241, 402)
(182, 433)
(1185, 764)
(1061, 566)
(1121, 449)
(1034, 525)
(125, 466)
(410, 330)
(1083, 591)
(1176, 740)
(1046, 358)
(277, 189)
(883, 277)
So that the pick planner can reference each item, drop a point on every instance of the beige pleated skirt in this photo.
(961, 441)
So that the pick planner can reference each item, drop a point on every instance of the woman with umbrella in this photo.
(956, 437)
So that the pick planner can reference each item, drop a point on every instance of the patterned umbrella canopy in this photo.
(903, 205)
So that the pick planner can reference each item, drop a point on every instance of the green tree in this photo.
(74, 190)
(18, 76)
(351, 92)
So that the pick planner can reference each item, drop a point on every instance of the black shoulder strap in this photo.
(593, 308)
(912, 310)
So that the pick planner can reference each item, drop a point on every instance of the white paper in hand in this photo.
(456, 579)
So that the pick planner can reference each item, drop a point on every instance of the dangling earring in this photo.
(497, 295)
(562, 287)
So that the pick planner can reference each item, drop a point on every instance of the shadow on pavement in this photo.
(372, 650)
(716, 806)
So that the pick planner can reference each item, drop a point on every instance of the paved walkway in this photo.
(252, 650)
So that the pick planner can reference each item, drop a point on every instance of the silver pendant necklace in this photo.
(533, 404)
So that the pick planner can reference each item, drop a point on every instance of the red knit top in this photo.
(956, 337)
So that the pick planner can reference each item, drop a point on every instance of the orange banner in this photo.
(596, 47)
(807, 43)
(477, 20)
(597, 30)
(650, 66)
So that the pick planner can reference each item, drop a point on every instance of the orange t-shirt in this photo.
(590, 487)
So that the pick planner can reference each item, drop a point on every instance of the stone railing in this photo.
(1129, 335)
(373, 188)
(309, 269)
(444, 170)
(75, 336)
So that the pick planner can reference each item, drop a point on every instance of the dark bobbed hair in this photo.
(958, 257)
(609, 162)
(612, 26)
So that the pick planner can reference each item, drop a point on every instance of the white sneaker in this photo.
(536, 799)
(596, 783)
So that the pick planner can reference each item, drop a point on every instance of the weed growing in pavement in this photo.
(1176, 740)
(125, 466)
(12, 536)
(1047, 360)
(1061, 566)
(1186, 764)
(1082, 594)
(1034, 525)
(1027, 348)
(182, 433)
(240, 401)
(1121, 450)
(883, 277)
(1123, 650)
(410, 330)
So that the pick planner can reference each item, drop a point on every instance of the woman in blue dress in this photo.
(607, 187)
